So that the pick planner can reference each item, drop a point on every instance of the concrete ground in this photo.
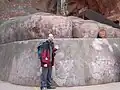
(111, 86)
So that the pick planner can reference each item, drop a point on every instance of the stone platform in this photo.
(77, 62)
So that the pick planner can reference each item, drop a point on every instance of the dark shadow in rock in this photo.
(92, 15)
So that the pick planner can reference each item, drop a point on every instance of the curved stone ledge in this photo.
(39, 25)
(78, 62)
(35, 26)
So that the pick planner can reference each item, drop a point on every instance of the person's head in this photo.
(101, 34)
(51, 37)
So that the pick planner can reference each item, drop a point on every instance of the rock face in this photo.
(89, 29)
(109, 7)
(45, 5)
(13, 8)
(35, 26)
(104, 61)
(39, 25)
(114, 17)
(104, 7)
(77, 62)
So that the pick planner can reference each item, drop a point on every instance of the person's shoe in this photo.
(51, 87)
(44, 88)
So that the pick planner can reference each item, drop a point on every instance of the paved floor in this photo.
(112, 86)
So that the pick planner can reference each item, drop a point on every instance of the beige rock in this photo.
(35, 26)
(78, 62)
(89, 29)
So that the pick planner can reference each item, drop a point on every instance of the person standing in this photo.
(47, 61)
(102, 34)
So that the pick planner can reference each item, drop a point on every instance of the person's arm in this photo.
(55, 48)
(107, 43)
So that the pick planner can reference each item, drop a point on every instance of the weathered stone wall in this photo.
(78, 62)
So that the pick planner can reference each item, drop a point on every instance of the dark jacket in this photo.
(46, 54)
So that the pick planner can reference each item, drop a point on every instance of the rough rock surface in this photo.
(13, 8)
(109, 7)
(114, 17)
(77, 62)
(39, 25)
(102, 61)
(34, 27)
(105, 7)
(45, 5)
(89, 29)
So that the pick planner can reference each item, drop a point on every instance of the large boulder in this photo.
(89, 29)
(105, 7)
(77, 62)
(36, 26)
(39, 25)
(14, 8)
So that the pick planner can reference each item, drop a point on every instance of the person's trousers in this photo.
(46, 77)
